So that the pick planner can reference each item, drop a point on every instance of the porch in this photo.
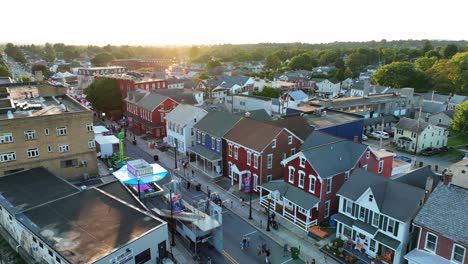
(207, 161)
(294, 205)
(405, 143)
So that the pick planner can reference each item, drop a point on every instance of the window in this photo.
(381, 162)
(255, 160)
(284, 156)
(301, 179)
(236, 152)
(91, 143)
(349, 207)
(413, 134)
(372, 245)
(162, 117)
(64, 148)
(431, 242)
(68, 163)
(6, 138)
(35, 240)
(371, 197)
(213, 143)
(49, 148)
(367, 154)
(269, 178)
(347, 231)
(203, 138)
(458, 254)
(41, 245)
(375, 219)
(30, 134)
(270, 161)
(311, 183)
(32, 153)
(199, 137)
(249, 157)
(7, 156)
(327, 209)
(89, 127)
(230, 150)
(61, 131)
(57, 259)
(273, 143)
(391, 225)
(302, 162)
(329, 185)
(291, 174)
(293, 151)
(362, 213)
(50, 253)
(143, 257)
(46, 131)
(346, 175)
(218, 144)
(289, 140)
(364, 166)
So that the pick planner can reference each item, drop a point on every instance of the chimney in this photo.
(447, 177)
(356, 139)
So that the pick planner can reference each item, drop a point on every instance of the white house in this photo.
(409, 132)
(328, 89)
(245, 103)
(375, 215)
(442, 119)
(180, 122)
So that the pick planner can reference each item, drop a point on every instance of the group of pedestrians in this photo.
(264, 251)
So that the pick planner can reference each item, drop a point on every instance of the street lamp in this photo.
(138, 179)
(250, 201)
(268, 216)
(172, 216)
(175, 153)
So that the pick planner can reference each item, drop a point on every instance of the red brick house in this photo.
(306, 195)
(146, 112)
(254, 150)
(443, 236)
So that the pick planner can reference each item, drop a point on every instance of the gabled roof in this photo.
(394, 199)
(298, 95)
(458, 99)
(436, 97)
(418, 178)
(259, 115)
(296, 124)
(184, 113)
(450, 113)
(446, 212)
(433, 107)
(411, 124)
(318, 138)
(227, 81)
(180, 95)
(331, 159)
(217, 123)
(253, 134)
(146, 100)
(293, 194)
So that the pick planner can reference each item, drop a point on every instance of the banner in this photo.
(177, 204)
(247, 185)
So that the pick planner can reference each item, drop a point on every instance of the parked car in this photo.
(443, 149)
(389, 131)
(364, 137)
(429, 151)
(380, 134)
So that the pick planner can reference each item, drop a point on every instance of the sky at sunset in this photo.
(184, 22)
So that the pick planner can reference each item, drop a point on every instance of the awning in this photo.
(364, 227)
(421, 257)
(159, 173)
(205, 153)
(387, 241)
(344, 220)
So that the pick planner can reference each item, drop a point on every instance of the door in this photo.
(162, 250)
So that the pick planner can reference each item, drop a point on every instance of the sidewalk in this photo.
(287, 233)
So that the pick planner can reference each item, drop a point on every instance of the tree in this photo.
(4, 72)
(449, 51)
(425, 63)
(302, 62)
(356, 62)
(400, 75)
(339, 63)
(42, 68)
(459, 123)
(427, 46)
(102, 59)
(328, 56)
(213, 64)
(272, 62)
(269, 91)
(15, 52)
(25, 78)
(104, 95)
(49, 53)
(459, 76)
(433, 53)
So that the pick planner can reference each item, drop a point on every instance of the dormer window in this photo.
(273, 143)
(368, 154)
(371, 198)
(302, 162)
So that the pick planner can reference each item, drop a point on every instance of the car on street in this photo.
(429, 151)
(443, 149)
(380, 134)
(364, 137)
(389, 131)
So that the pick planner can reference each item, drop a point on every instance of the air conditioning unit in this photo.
(84, 162)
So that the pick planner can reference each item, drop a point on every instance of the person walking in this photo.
(242, 201)
(193, 173)
(285, 250)
(209, 261)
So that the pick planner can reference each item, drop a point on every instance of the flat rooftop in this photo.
(87, 226)
(345, 101)
(117, 189)
(28, 103)
(102, 68)
(26, 189)
(330, 118)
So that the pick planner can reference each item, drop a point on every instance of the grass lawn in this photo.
(452, 155)
(457, 140)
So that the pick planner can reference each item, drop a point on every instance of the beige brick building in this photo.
(50, 131)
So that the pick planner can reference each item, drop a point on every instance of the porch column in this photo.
(295, 212)
(284, 206)
(240, 181)
(204, 165)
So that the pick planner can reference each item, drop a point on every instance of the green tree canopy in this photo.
(213, 64)
(460, 119)
(269, 91)
(15, 53)
(433, 53)
(272, 62)
(400, 75)
(425, 63)
(104, 95)
(39, 67)
(4, 72)
(427, 46)
(459, 63)
(102, 59)
(449, 51)
(302, 62)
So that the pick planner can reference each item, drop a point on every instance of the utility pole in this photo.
(417, 133)
(268, 216)
(381, 129)
(175, 153)
(172, 219)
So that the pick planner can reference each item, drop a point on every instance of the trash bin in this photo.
(156, 157)
(198, 187)
(295, 252)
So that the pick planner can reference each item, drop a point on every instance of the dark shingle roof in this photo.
(450, 113)
(395, 199)
(296, 124)
(292, 193)
(318, 138)
(180, 95)
(253, 134)
(436, 97)
(446, 212)
(227, 81)
(433, 107)
(334, 158)
(145, 100)
(411, 124)
(24, 190)
(259, 115)
(217, 123)
(418, 178)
